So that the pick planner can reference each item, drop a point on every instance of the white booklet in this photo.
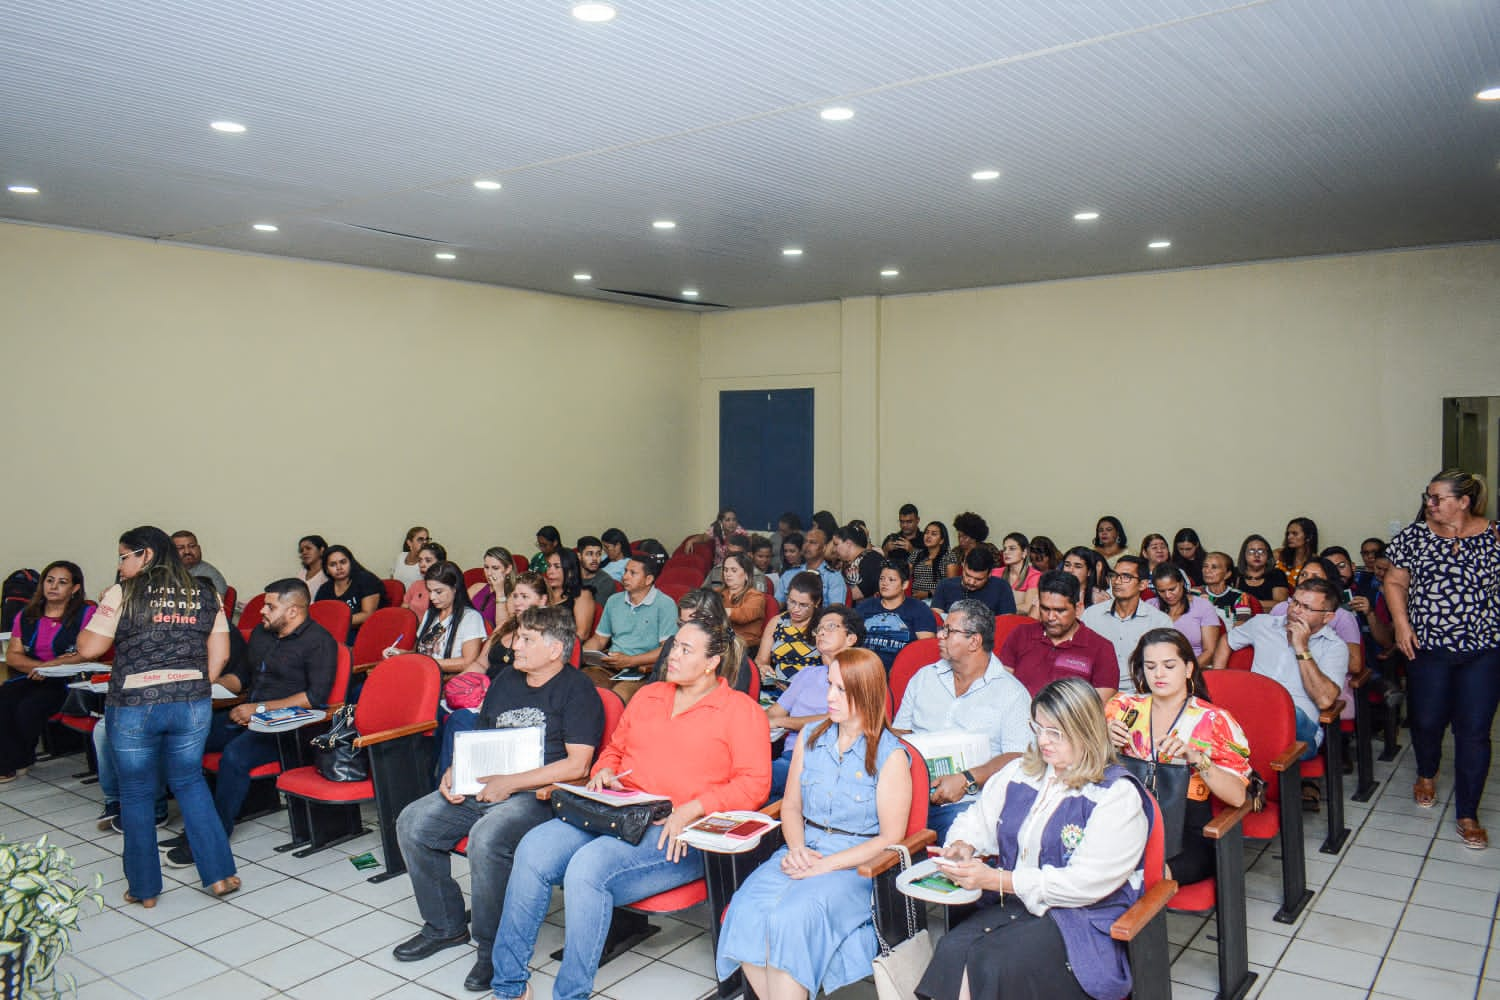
(950, 751)
(481, 753)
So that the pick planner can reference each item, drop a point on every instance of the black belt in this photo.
(834, 829)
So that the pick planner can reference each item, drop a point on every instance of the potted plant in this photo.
(40, 900)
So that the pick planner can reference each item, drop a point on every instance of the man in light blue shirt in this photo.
(969, 690)
(834, 588)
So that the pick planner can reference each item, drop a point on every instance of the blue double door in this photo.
(766, 455)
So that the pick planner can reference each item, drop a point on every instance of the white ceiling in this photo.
(1239, 131)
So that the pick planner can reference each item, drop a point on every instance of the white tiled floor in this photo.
(1404, 912)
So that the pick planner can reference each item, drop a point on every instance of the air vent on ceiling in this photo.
(664, 298)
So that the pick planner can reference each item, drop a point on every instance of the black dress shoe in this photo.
(420, 947)
(480, 976)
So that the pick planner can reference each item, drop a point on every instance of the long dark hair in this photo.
(1184, 649)
(355, 567)
(32, 612)
(572, 581)
(1240, 568)
(164, 573)
(718, 526)
(1309, 541)
(614, 536)
(1097, 566)
(1192, 567)
(943, 546)
(450, 576)
(1120, 538)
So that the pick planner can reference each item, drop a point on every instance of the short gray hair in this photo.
(979, 617)
(555, 625)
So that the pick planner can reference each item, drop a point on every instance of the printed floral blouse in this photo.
(1211, 729)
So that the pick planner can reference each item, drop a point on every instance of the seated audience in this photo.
(787, 644)
(690, 739)
(489, 596)
(893, 620)
(616, 551)
(1234, 606)
(191, 555)
(909, 522)
(968, 689)
(704, 604)
(969, 531)
(734, 545)
(294, 662)
(1257, 577)
(1092, 573)
(430, 554)
(726, 526)
(405, 568)
(565, 590)
(1109, 539)
(1345, 623)
(1154, 550)
(548, 541)
(761, 553)
(805, 702)
(1016, 570)
(351, 583)
(1300, 651)
(44, 632)
(1125, 618)
(1187, 555)
(977, 582)
(825, 521)
(928, 561)
(1365, 581)
(1172, 722)
(745, 604)
(814, 560)
(1298, 546)
(791, 553)
(1058, 645)
(1191, 615)
(310, 549)
(451, 632)
(635, 624)
(786, 525)
(590, 558)
(801, 922)
(861, 563)
(1043, 554)
(1065, 830)
(541, 690)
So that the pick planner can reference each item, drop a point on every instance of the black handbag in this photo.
(629, 823)
(1169, 783)
(334, 752)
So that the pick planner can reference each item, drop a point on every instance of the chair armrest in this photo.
(773, 810)
(1331, 713)
(385, 736)
(1289, 757)
(1357, 681)
(362, 668)
(1221, 824)
(1143, 911)
(889, 859)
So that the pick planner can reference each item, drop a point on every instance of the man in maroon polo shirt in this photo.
(1060, 645)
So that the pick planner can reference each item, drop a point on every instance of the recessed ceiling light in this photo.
(836, 114)
(690, 293)
(1085, 216)
(445, 255)
(487, 185)
(594, 13)
(1159, 244)
(226, 126)
(664, 224)
(264, 227)
(890, 272)
(985, 175)
(22, 189)
(1489, 94)
(792, 252)
(583, 276)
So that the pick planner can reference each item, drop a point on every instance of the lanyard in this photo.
(1152, 726)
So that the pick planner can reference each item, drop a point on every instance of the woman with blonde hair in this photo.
(489, 595)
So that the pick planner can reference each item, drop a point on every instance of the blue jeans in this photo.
(243, 751)
(1307, 732)
(939, 818)
(597, 874)
(462, 720)
(109, 778)
(1459, 690)
(146, 737)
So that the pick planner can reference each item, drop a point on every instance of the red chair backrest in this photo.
(522, 563)
(937, 618)
(332, 615)
(913, 657)
(598, 614)
(231, 597)
(381, 630)
(1264, 711)
(473, 576)
(1241, 659)
(674, 589)
(250, 617)
(772, 608)
(1155, 861)
(916, 819)
(689, 575)
(1255, 606)
(341, 669)
(395, 593)
(1005, 625)
(399, 692)
(614, 707)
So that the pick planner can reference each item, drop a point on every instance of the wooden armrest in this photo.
(1144, 910)
(1225, 821)
(773, 810)
(888, 859)
(1289, 757)
(1358, 680)
(362, 668)
(1331, 713)
(387, 735)
(544, 794)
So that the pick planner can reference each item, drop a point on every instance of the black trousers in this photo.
(25, 707)
(1008, 953)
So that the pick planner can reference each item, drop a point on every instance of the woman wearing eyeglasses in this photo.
(787, 645)
(805, 701)
(1258, 577)
(1443, 591)
(1059, 837)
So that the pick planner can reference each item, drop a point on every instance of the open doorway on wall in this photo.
(1471, 438)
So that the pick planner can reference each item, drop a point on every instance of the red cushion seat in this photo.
(309, 784)
(673, 900)
(1200, 897)
(78, 723)
(211, 764)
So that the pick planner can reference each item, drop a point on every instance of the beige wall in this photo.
(258, 399)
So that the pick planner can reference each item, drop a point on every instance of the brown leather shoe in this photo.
(1472, 834)
(1425, 792)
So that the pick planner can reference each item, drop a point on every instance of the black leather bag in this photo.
(1169, 783)
(334, 752)
(629, 823)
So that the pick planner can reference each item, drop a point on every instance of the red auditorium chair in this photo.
(334, 616)
(913, 657)
(473, 576)
(395, 593)
(1005, 625)
(387, 626)
(250, 617)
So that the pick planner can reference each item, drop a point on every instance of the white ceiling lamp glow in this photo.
(663, 224)
(1159, 244)
(1086, 216)
(690, 293)
(890, 272)
(487, 185)
(1488, 94)
(594, 13)
(836, 114)
(23, 189)
(445, 255)
(583, 276)
(233, 128)
(985, 175)
(264, 227)
(792, 252)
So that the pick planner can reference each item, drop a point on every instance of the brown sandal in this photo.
(225, 886)
(1424, 792)
(147, 903)
(1473, 835)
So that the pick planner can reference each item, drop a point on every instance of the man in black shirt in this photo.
(542, 690)
(977, 582)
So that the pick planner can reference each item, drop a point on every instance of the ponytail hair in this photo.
(723, 643)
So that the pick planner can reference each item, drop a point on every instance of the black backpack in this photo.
(16, 591)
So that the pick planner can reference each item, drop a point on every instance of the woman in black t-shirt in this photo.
(351, 583)
(1258, 577)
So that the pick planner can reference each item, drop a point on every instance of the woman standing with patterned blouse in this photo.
(1443, 590)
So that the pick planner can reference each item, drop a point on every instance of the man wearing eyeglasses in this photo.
(1300, 652)
(1126, 618)
(971, 691)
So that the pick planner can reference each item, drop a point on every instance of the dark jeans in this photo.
(25, 707)
(1461, 690)
(243, 752)
(428, 829)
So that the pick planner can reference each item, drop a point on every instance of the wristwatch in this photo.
(260, 709)
(972, 788)
(1304, 655)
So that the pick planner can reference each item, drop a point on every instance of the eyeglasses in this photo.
(1038, 730)
(800, 605)
(132, 552)
(1127, 577)
(1433, 499)
(829, 628)
(944, 631)
(1307, 607)
(1257, 552)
